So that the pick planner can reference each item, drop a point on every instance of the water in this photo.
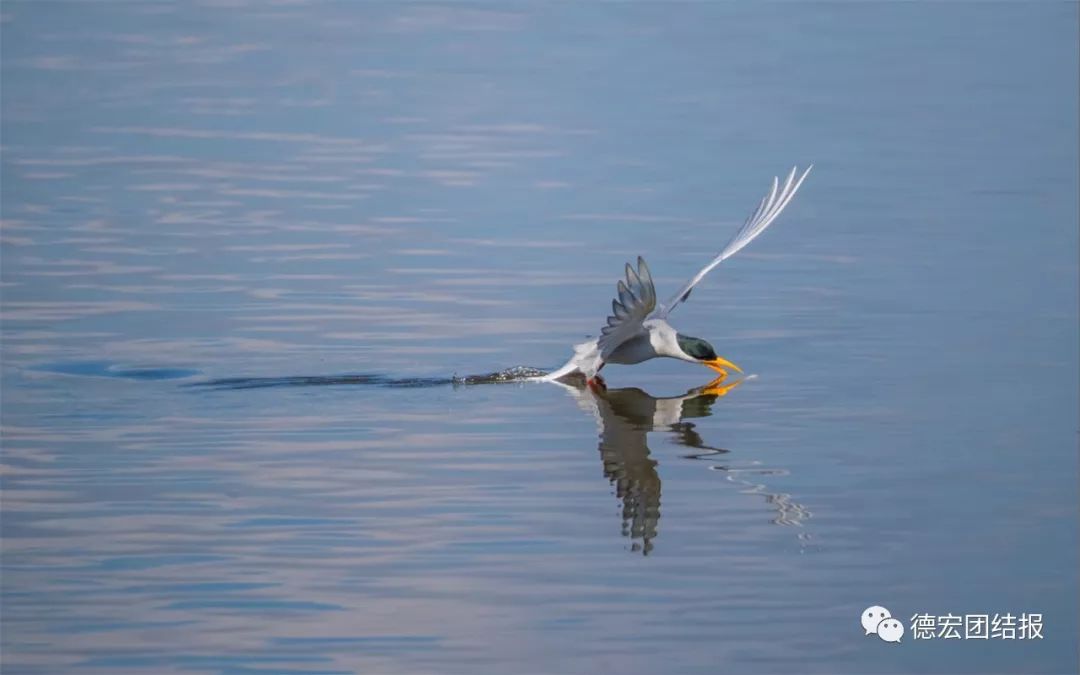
(329, 211)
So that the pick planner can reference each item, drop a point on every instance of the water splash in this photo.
(515, 374)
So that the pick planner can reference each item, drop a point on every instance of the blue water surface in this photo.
(247, 248)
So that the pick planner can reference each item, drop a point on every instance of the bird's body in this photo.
(637, 330)
(657, 338)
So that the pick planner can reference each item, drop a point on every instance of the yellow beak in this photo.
(720, 365)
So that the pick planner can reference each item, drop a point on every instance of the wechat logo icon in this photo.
(877, 620)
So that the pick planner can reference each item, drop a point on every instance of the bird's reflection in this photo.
(625, 416)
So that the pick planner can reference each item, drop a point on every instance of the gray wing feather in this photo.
(767, 211)
(636, 300)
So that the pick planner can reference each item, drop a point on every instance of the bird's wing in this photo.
(767, 211)
(637, 299)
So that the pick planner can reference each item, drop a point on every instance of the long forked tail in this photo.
(586, 360)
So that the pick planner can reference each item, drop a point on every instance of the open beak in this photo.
(721, 365)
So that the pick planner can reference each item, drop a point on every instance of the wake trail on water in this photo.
(515, 374)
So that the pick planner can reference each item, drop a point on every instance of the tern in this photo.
(637, 329)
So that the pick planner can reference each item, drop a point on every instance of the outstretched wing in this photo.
(637, 299)
(767, 211)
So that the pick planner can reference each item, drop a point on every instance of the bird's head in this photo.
(702, 352)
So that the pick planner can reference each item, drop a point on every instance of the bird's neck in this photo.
(664, 342)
